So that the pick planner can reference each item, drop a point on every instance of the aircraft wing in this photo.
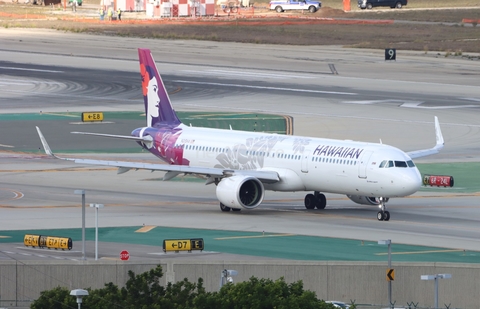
(172, 170)
(427, 152)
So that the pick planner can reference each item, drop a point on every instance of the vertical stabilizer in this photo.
(158, 108)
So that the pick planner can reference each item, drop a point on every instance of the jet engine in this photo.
(239, 190)
(364, 200)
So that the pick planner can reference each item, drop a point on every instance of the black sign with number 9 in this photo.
(390, 54)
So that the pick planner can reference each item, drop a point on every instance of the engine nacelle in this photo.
(244, 191)
(364, 200)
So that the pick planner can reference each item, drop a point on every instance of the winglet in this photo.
(45, 145)
(439, 135)
(438, 146)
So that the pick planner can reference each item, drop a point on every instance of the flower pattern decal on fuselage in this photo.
(248, 156)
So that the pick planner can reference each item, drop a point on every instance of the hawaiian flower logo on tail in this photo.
(150, 94)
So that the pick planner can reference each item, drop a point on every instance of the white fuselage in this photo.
(304, 163)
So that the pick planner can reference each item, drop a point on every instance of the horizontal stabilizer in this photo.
(148, 140)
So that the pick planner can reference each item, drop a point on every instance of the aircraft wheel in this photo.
(236, 209)
(380, 216)
(224, 208)
(386, 216)
(310, 201)
(322, 201)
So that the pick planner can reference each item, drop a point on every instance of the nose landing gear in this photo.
(383, 214)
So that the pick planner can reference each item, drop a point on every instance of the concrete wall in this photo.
(22, 282)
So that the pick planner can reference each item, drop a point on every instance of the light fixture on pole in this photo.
(97, 206)
(82, 192)
(79, 294)
(436, 277)
(388, 242)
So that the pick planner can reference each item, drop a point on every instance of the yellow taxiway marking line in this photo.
(145, 229)
(423, 252)
(62, 115)
(258, 236)
(5, 236)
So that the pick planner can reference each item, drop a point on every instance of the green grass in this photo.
(465, 175)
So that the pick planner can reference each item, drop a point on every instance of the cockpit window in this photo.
(387, 164)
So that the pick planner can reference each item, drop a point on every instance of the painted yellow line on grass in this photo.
(257, 236)
(423, 252)
(62, 115)
(145, 229)
(5, 236)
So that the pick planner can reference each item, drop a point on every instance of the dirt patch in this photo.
(331, 12)
(402, 29)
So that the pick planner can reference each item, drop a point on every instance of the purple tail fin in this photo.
(158, 108)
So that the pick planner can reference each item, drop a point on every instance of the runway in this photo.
(369, 100)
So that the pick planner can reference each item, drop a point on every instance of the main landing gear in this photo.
(383, 214)
(316, 199)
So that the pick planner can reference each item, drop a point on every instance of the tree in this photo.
(144, 291)
(261, 294)
(56, 298)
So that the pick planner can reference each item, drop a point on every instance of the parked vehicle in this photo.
(338, 304)
(283, 5)
(369, 4)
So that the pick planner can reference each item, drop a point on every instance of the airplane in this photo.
(243, 165)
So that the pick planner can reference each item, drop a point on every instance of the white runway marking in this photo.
(248, 74)
(471, 99)
(417, 105)
(408, 104)
(266, 87)
(32, 70)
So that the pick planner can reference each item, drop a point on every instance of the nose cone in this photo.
(411, 180)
